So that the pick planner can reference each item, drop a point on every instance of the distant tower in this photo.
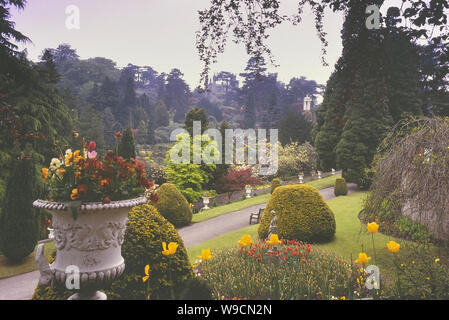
(307, 103)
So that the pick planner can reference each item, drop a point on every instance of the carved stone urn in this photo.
(91, 243)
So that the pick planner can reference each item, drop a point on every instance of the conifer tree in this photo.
(127, 147)
(19, 221)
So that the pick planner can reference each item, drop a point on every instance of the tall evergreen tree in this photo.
(127, 104)
(249, 113)
(161, 116)
(196, 114)
(19, 228)
(127, 147)
(294, 127)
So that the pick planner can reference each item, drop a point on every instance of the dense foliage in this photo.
(302, 214)
(295, 158)
(340, 188)
(19, 221)
(296, 271)
(172, 205)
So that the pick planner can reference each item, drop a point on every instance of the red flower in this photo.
(106, 200)
(82, 189)
(91, 146)
(118, 135)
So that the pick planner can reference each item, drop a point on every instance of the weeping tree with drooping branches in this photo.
(412, 176)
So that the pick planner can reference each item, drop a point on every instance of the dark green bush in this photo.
(19, 221)
(197, 289)
(340, 188)
(173, 206)
(367, 179)
(302, 214)
(146, 230)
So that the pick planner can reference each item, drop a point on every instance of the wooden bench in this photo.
(256, 216)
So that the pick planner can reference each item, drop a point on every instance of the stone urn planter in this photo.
(92, 243)
(248, 192)
(301, 178)
(319, 174)
(206, 201)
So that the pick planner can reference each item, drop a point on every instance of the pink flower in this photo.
(92, 155)
(118, 135)
(135, 131)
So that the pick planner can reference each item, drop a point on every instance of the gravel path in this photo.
(21, 287)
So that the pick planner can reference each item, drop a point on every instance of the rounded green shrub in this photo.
(340, 188)
(173, 206)
(274, 184)
(145, 232)
(302, 214)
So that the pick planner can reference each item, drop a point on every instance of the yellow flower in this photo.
(393, 246)
(172, 246)
(363, 258)
(147, 273)
(61, 172)
(372, 227)
(245, 240)
(437, 260)
(68, 159)
(206, 255)
(274, 240)
(44, 174)
(74, 194)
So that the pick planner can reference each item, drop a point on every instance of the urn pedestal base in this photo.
(89, 295)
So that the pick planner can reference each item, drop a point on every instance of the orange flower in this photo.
(77, 174)
(61, 172)
(74, 194)
(104, 183)
(44, 174)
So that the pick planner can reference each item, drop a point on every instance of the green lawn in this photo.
(239, 205)
(27, 265)
(350, 235)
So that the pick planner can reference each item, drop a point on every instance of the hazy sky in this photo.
(161, 34)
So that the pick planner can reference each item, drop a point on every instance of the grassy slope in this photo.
(27, 265)
(239, 205)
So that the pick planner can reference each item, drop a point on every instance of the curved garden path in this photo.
(21, 287)
(199, 232)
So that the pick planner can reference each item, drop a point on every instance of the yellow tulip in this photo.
(172, 246)
(437, 260)
(372, 227)
(147, 273)
(393, 246)
(274, 240)
(206, 255)
(245, 240)
(363, 258)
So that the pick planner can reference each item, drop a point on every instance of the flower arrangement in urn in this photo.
(90, 197)
(81, 174)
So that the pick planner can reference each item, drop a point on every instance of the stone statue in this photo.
(273, 224)
(46, 277)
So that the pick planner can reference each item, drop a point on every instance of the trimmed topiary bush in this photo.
(173, 206)
(274, 184)
(19, 221)
(302, 214)
(340, 188)
(146, 230)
